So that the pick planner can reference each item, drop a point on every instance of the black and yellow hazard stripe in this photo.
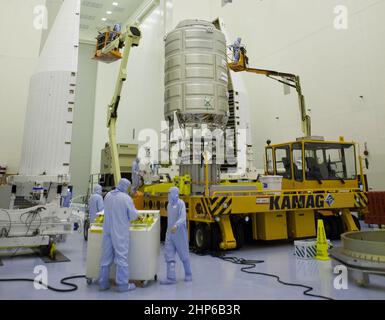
(305, 252)
(361, 199)
(217, 205)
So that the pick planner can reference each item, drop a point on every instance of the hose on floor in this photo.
(73, 287)
(251, 264)
(248, 265)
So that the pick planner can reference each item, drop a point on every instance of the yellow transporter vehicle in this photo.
(319, 180)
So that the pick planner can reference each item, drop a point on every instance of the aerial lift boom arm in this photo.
(288, 79)
(128, 39)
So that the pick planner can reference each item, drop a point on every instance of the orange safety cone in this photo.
(322, 243)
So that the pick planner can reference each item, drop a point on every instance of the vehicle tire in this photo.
(202, 237)
(328, 227)
(215, 237)
(340, 226)
(248, 228)
(334, 235)
(239, 234)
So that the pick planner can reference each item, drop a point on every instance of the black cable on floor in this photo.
(5, 233)
(251, 264)
(73, 286)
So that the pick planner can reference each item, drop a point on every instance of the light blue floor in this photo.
(213, 278)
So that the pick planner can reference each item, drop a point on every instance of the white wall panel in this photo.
(47, 131)
(19, 51)
(83, 120)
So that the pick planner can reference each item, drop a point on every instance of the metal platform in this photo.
(107, 57)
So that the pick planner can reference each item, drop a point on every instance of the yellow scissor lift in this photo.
(319, 180)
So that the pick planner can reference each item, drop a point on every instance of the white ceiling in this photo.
(92, 12)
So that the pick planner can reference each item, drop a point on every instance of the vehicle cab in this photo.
(313, 163)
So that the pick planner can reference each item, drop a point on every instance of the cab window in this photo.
(269, 161)
(330, 161)
(283, 162)
(297, 162)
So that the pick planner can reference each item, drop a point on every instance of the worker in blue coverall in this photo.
(236, 47)
(176, 237)
(119, 210)
(67, 196)
(96, 203)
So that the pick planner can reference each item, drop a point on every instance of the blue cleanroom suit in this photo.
(236, 47)
(67, 197)
(176, 237)
(119, 210)
(95, 203)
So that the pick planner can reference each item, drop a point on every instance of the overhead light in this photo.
(109, 12)
(115, 4)
(104, 19)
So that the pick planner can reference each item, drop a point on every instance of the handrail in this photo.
(296, 191)
(264, 193)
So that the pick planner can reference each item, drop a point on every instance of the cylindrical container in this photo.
(193, 163)
(196, 75)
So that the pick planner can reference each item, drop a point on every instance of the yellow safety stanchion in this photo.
(52, 251)
(322, 243)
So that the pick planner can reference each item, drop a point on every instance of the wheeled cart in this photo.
(144, 252)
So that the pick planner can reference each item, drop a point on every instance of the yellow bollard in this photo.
(322, 243)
